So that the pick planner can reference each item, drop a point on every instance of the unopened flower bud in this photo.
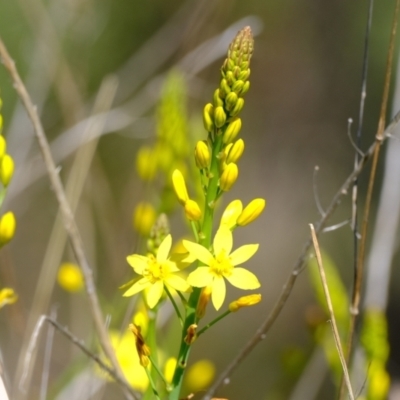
(178, 182)
(230, 101)
(228, 177)
(6, 169)
(245, 301)
(202, 155)
(244, 75)
(3, 144)
(217, 99)
(231, 213)
(7, 227)
(232, 130)
(203, 301)
(192, 211)
(238, 86)
(224, 88)
(146, 163)
(238, 107)
(251, 212)
(245, 88)
(144, 217)
(208, 113)
(191, 334)
(235, 152)
(219, 117)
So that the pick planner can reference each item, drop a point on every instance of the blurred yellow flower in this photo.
(7, 227)
(7, 296)
(169, 369)
(70, 277)
(6, 169)
(200, 375)
(144, 217)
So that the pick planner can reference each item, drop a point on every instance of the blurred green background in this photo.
(305, 85)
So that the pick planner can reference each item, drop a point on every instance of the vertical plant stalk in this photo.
(331, 312)
(68, 217)
(354, 308)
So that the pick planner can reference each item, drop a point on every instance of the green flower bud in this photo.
(232, 130)
(238, 86)
(244, 65)
(244, 75)
(228, 177)
(230, 78)
(224, 88)
(235, 152)
(208, 113)
(217, 99)
(251, 212)
(219, 117)
(6, 169)
(202, 155)
(238, 107)
(230, 101)
(245, 88)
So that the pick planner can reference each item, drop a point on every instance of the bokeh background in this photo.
(305, 85)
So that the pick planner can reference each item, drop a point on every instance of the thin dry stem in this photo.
(69, 221)
(354, 308)
(331, 313)
(297, 268)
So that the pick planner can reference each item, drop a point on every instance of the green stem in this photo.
(205, 240)
(178, 313)
(214, 321)
(152, 385)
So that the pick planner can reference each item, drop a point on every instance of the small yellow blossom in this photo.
(6, 169)
(7, 227)
(251, 212)
(245, 301)
(222, 265)
(7, 296)
(156, 272)
(200, 375)
(179, 184)
(146, 163)
(70, 277)
(231, 213)
(144, 217)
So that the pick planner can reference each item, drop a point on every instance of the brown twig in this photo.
(355, 304)
(297, 268)
(68, 217)
(331, 313)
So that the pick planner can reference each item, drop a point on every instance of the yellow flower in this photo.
(144, 217)
(70, 277)
(169, 369)
(200, 375)
(231, 213)
(146, 163)
(7, 296)
(156, 272)
(222, 265)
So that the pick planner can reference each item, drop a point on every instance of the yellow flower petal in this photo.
(218, 292)
(200, 277)
(137, 262)
(223, 240)
(243, 253)
(198, 251)
(243, 279)
(177, 283)
(163, 250)
(137, 287)
(231, 213)
(154, 294)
